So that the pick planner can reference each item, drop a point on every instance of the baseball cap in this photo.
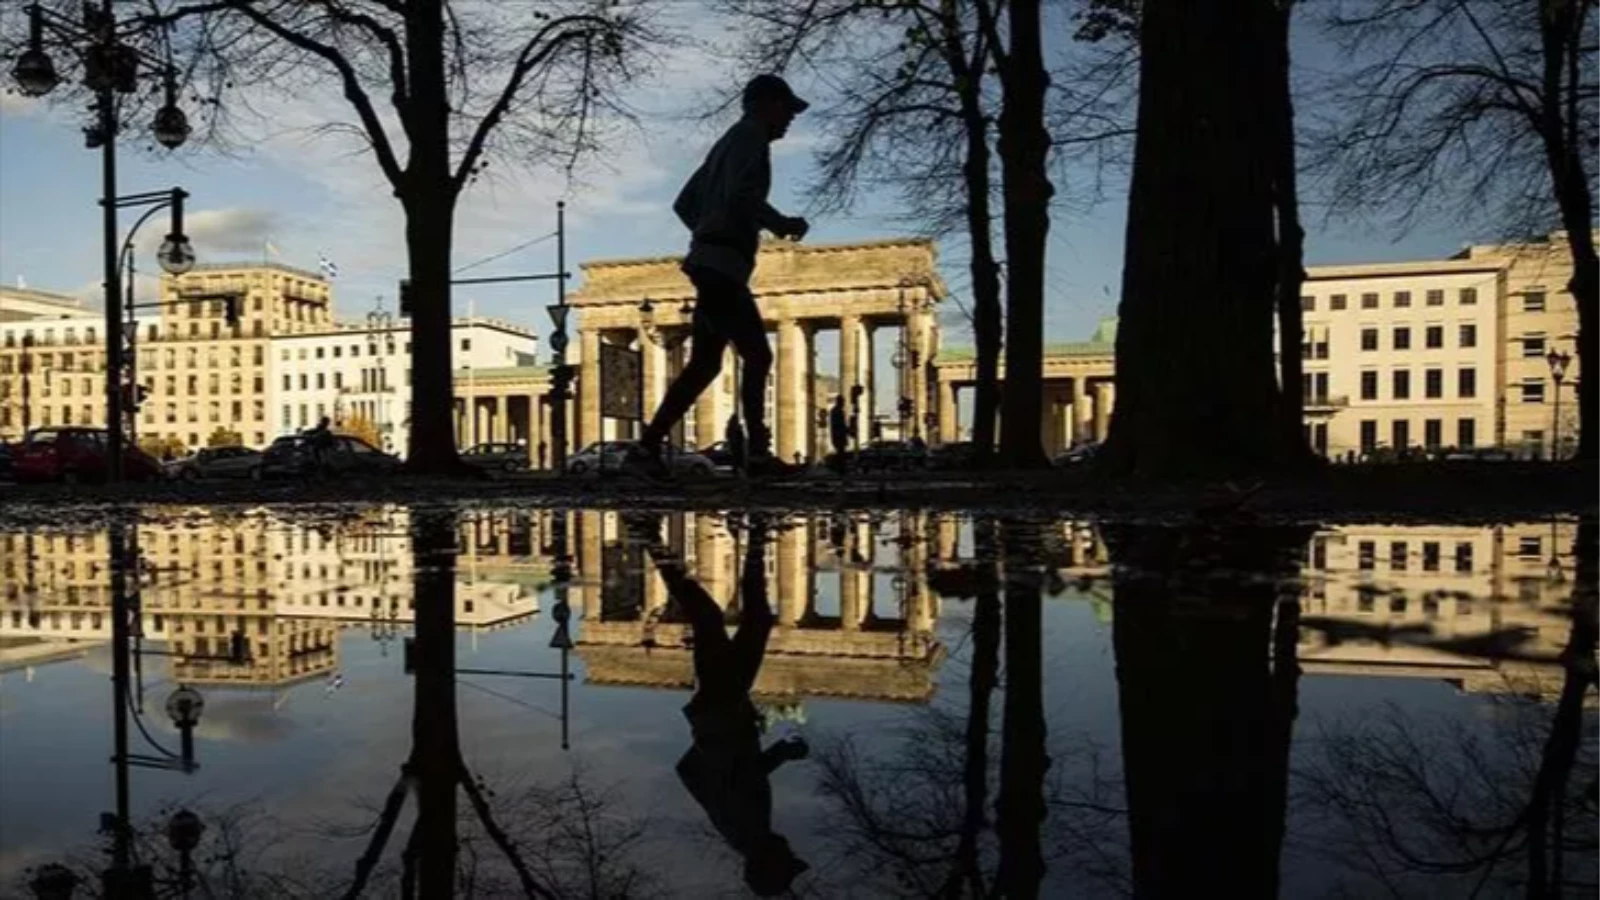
(773, 86)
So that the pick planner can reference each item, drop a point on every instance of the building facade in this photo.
(1402, 355)
(364, 372)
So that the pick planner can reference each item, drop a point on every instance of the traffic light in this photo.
(230, 311)
(133, 396)
(405, 296)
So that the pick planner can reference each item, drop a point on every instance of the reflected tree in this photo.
(1409, 803)
(1207, 710)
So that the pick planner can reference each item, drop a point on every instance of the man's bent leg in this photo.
(748, 334)
(705, 362)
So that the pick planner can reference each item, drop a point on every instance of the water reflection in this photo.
(996, 707)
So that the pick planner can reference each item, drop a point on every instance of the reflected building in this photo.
(288, 588)
(855, 613)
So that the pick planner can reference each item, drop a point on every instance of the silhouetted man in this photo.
(726, 771)
(320, 439)
(839, 431)
(734, 435)
(725, 205)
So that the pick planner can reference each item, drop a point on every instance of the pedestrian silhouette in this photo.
(724, 205)
(726, 770)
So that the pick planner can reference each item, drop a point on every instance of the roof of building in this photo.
(769, 246)
(355, 327)
(1404, 269)
(1101, 343)
(201, 268)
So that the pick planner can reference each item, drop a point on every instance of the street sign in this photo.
(621, 382)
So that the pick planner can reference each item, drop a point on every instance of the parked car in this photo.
(613, 455)
(7, 454)
(292, 455)
(499, 457)
(720, 454)
(218, 462)
(953, 456)
(76, 454)
(884, 456)
(1478, 454)
(1076, 456)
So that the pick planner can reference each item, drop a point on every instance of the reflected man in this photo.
(726, 770)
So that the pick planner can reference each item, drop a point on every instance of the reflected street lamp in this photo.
(1558, 363)
(184, 707)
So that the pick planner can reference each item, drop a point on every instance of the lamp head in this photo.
(171, 126)
(176, 255)
(1558, 364)
(184, 830)
(184, 706)
(34, 73)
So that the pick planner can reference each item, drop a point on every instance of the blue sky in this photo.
(312, 195)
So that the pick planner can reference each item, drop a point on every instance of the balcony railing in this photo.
(1324, 402)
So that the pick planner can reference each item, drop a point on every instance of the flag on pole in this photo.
(329, 270)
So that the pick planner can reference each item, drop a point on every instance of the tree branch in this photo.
(544, 43)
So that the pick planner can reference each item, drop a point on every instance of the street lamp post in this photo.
(111, 67)
(1558, 371)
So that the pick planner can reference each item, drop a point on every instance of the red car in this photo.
(76, 454)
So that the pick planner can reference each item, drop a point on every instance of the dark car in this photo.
(1077, 456)
(953, 456)
(76, 454)
(891, 456)
(218, 462)
(293, 455)
(7, 454)
(719, 454)
(501, 457)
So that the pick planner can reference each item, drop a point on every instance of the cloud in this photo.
(15, 104)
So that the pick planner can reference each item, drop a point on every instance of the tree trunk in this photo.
(986, 621)
(434, 735)
(1024, 146)
(1206, 722)
(985, 281)
(1197, 384)
(1020, 808)
(1290, 235)
(429, 198)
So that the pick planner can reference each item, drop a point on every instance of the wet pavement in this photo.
(340, 700)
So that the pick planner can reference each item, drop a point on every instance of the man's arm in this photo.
(752, 179)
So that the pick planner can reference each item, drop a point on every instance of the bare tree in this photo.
(465, 81)
(1482, 109)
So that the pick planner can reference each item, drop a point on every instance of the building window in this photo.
(1436, 298)
(1533, 301)
(1469, 335)
(1433, 383)
(1433, 337)
(260, 384)
(1369, 385)
(1532, 390)
(1466, 433)
(259, 355)
(1402, 384)
(1433, 433)
(1369, 338)
(1369, 435)
(355, 350)
(1463, 556)
(1397, 556)
(288, 418)
(303, 381)
(1467, 383)
(466, 343)
(1532, 346)
(338, 379)
(303, 416)
(1402, 338)
(338, 351)
(1531, 545)
(288, 382)
(286, 354)
(1366, 554)
(1400, 431)
(1430, 556)
(1336, 302)
(321, 379)
(1468, 297)
(1402, 299)
(1369, 301)
(1308, 304)
(319, 352)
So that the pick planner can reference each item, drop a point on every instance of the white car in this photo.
(611, 456)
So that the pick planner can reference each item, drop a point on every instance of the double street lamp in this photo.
(111, 67)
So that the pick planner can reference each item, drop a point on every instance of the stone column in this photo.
(502, 421)
(1068, 412)
(1083, 409)
(852, 590)
(789, 431)
(789, 594)
(1104, 396)
(653, 360)
(949, 412)
(588, 390)
(869, 374)
(849, 356)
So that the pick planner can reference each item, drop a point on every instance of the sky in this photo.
(313, 195)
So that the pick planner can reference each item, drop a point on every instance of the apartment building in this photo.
(1401, 355)
(1438, 354)
(364, 371)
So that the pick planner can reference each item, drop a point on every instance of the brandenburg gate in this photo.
(802, 290)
